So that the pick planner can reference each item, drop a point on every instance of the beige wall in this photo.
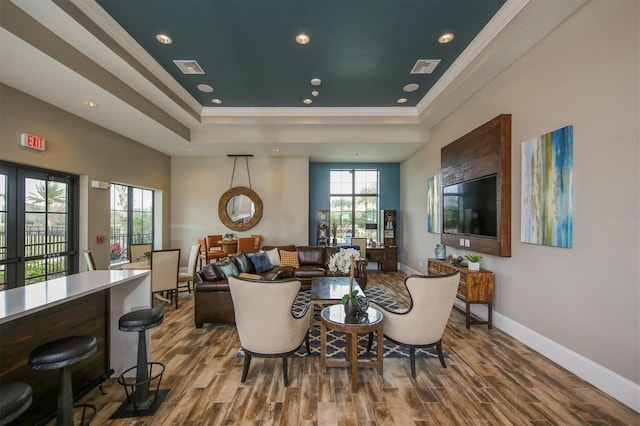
(78, 147)
(281, 182)
(586, 298)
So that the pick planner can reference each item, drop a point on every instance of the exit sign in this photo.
(32, 141)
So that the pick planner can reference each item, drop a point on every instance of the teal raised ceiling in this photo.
(362, 50)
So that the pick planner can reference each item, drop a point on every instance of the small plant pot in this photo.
(473, 266)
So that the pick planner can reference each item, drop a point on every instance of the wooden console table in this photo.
(475, 287)
(387, 257)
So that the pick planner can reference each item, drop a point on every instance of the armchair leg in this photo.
(412, 360)
(440, 354)
(245, 367)
(284, 371)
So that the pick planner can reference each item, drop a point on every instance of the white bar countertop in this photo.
(22, 301)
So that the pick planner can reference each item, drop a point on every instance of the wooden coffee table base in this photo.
(351, 332)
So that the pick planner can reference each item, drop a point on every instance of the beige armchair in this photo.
(422, 324)
(165, 265)
(264, 321)
(188, 275)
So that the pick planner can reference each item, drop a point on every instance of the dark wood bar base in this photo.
(87, 315)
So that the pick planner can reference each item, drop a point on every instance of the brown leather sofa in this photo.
(212, 297)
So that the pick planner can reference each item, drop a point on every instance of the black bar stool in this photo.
(139, 396)
(61, 354)
(15, 398)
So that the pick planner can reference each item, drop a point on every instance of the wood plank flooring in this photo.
(490, 379)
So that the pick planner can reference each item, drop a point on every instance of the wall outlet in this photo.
(421, 264)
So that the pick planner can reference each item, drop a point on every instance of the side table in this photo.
(333, 318)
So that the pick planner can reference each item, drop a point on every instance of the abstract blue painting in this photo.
(547, 189)
(433, 204)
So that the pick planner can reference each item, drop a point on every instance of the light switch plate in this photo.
(467, 243)
(461, 242)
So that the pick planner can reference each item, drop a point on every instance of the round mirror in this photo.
(240, 208)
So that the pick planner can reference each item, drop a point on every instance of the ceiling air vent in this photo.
(189, 67)
(425, 66)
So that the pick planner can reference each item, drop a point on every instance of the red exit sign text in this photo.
(32, 141)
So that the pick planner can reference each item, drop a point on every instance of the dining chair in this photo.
(206, 254)
(268, 329)
(258, 240)
(212, 242)
(165, 265)
(89, 260)
(246, 244)
(188, 275)
(362, 244)
(431, 301)
(136, 251)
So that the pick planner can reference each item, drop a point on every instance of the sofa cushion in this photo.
(311, 255)
(226, 268)
(309, 271)
(278, 273)
(211, 273)
(260, 262)
(289, 247)
(243, 263)
(274, 256)
(289, 258)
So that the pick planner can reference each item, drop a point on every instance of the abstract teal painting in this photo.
(433, 204)
(547, 189)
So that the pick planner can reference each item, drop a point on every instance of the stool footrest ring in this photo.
(130, 385)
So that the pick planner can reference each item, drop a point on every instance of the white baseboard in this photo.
(616, 386)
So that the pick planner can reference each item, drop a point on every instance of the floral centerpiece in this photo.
(344, 262)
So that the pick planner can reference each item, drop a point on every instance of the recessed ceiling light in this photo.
(445, 38)
(302, 38)
(402, 100)
(411, 87)
(216, 101)
(308, 101)
(90, 104)
(316, 82)
(205, 88)
(164, 39)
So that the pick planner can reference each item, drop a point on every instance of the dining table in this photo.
(229, 246)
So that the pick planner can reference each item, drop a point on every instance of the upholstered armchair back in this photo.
(263, 315)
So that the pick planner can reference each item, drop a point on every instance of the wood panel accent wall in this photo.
(86, 315)
(482, 152)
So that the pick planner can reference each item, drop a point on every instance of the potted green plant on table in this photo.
(334, 231)
(229, 237)
(344, 262)
(473, 261)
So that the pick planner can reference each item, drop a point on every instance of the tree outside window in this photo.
(131, 219)
(354, 203)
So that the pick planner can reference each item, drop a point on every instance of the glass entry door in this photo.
(38, 231)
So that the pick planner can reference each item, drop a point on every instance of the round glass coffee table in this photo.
(333, 318)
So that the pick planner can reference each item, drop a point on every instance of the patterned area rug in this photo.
(336, 341)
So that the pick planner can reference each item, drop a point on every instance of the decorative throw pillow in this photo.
(274, 257)
(289, 258)
(260, 262)
(226, 268)
(211, 274)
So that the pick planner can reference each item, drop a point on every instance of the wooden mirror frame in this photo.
(236, 191)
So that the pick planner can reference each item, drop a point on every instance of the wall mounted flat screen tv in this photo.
(471, 207)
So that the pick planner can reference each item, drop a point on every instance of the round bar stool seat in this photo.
(15, 398)
(140, 397)
(62, 354)
(141, 320)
